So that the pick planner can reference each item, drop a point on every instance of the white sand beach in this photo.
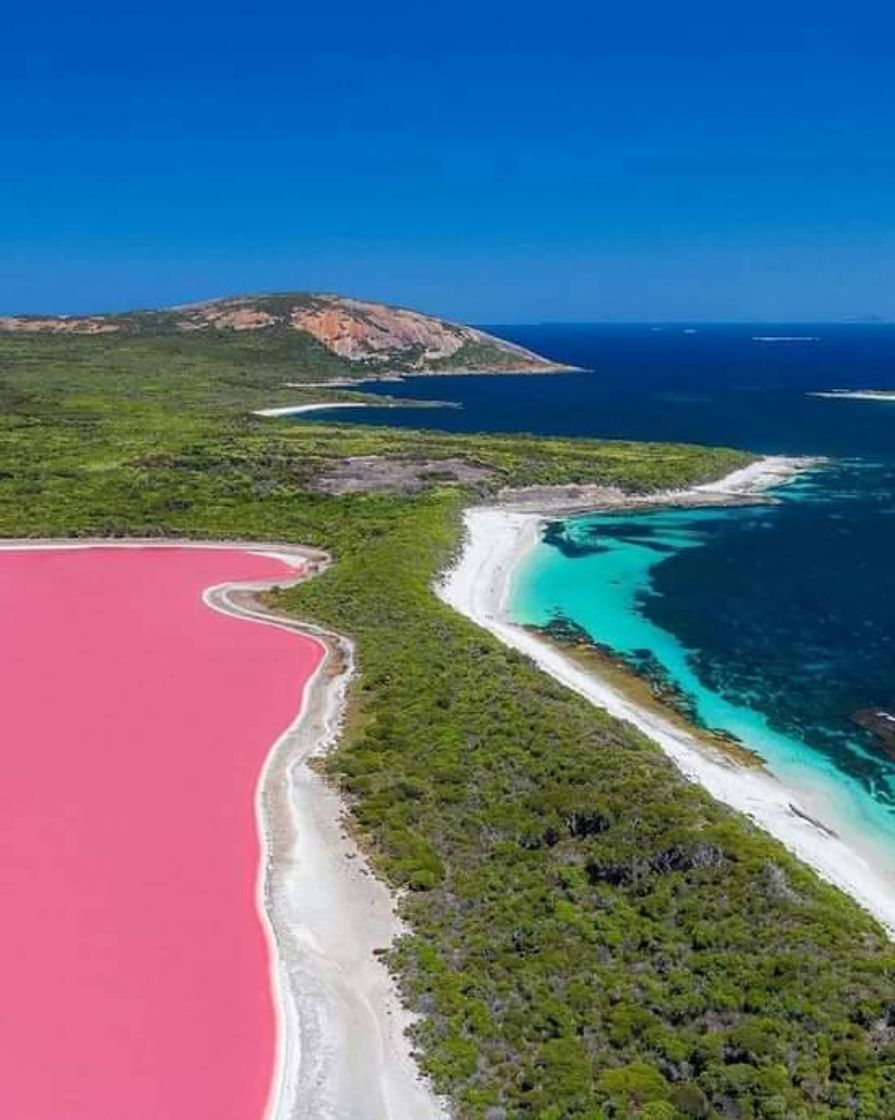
(316, 406)
(772, 470)
(478, 586)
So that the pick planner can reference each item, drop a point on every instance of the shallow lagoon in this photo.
(750, 614)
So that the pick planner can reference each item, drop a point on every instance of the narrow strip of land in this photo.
(317, 406)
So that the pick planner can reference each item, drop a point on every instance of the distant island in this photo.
(785, 338)
(856, 394)
(330, 337)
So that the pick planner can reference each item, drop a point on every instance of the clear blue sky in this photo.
(494, 163)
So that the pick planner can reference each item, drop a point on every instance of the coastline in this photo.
(393, 378)
(341, 1046)
(317, 406)
(478, 585)
(298, 409)
(397, 376)
(745, 486)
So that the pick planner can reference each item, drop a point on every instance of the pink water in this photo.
(134, 722)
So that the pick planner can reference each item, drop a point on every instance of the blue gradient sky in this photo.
(565, 161)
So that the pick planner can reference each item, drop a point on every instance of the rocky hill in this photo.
(367, 337)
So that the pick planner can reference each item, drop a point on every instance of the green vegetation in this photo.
(477, 355)
(592, 937)
(273, 330)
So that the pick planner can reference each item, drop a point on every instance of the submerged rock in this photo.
(881, 725)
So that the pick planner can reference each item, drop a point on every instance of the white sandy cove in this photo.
(478, 587)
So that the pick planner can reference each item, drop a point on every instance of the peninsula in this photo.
(582, 930)
(324, 337)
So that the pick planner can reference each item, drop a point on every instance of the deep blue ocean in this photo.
(776, 622)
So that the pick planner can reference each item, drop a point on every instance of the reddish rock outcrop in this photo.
(372, 334)
(57, 325)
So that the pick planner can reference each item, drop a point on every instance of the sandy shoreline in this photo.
(342, 1051)
(319, 406)
(298, 409)
(398, 376)
(740, 487)
(478, 586)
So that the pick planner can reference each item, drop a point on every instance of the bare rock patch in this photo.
(370, 474)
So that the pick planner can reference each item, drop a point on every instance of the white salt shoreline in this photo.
(478, 586)
(341, 1044)
(343, 1048)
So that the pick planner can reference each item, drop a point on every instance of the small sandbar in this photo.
(884, 395)
(316, 406)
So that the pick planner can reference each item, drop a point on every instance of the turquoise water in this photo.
(778, 623)
(600, 573)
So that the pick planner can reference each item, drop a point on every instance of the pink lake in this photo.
(135, 722)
